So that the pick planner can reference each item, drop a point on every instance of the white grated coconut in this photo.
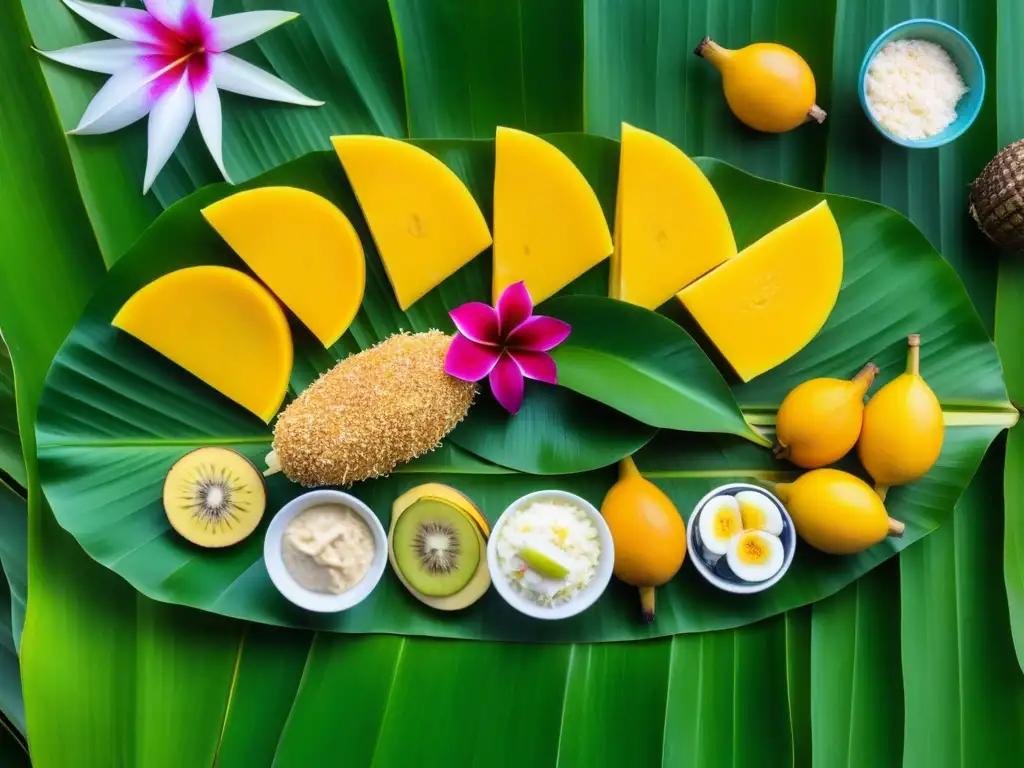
(556, 524)
(912, 88)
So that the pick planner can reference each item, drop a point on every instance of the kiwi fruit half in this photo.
(214, 497)
(436, 548)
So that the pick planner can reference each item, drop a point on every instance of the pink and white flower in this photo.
(506, 343)
(168, 62)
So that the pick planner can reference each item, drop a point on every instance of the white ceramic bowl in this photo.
(587, 596)
(740, 588)
(322, 602)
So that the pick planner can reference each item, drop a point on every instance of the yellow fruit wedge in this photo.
(545, 561)
(764, 305)
(424, 221)
(548, 224)
(670, 226)
(303, 248)
(219, 325)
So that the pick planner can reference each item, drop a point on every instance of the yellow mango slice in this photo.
(764, 305)
(219, 325)
(424, 221)
(548, 224)
(670, 226)
(303, 248)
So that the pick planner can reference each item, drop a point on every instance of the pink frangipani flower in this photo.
(507, 343)
(168, 62)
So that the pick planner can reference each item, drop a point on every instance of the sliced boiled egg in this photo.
(759, 513)
(754, 555)
(719, 521)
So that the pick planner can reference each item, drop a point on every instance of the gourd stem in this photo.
(627, 468)
(896, 528)
(712, 51)
(647, 603)
(867, 374)
(914, 354)
(817, 114)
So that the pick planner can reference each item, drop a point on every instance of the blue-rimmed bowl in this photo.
(964, 55)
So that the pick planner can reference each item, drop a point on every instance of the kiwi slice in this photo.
(436, 548)
(214, 497)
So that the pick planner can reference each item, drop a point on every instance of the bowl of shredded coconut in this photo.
(550, 555)
(922, 83)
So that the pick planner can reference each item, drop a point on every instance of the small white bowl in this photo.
(587, 596)
(322, 602)
(739, 588)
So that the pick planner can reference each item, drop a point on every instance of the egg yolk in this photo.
(726, 524)
(752, 550)
(753, 516)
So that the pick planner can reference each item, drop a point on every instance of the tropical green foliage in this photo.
(119, 680)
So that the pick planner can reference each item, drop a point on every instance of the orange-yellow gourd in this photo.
(819, 421)
(220, 325)
(903, 429)
(302, 247)
(649, 534)
(768, 86)
(836, 512)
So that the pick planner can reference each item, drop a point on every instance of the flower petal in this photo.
(237, 76)
(126, 97)
(167, 12)
(238, 28)
(106, 56)
(204, 7)
(168, 120)
(507, 384)
(535, 365)
(477, 321)
(126, 23)
(514, 307)
(468, 360)
(208, 115)
(539, 334)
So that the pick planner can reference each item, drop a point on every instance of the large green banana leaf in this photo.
(115, 416)
(639, 68)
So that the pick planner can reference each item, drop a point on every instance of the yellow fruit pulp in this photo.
(903, 427)
(836, 512)
(768, 86)
(424, 221)
(646, 528)
(820, 420)
(214, 497)
(764, 305)
(303, 248)
(220, 325)
(670, 226)
(548, 224)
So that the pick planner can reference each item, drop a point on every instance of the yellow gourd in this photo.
(819, 421)
(836, 512)
(903, 429)
(649, 535)
(768, 86)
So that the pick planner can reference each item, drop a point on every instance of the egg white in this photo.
(768, 566)
(719, 521)
(759, 513)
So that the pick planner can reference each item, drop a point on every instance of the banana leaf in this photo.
(11, 462)
(638, 67)
(116, 415)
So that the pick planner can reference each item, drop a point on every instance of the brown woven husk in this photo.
(997, 197)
